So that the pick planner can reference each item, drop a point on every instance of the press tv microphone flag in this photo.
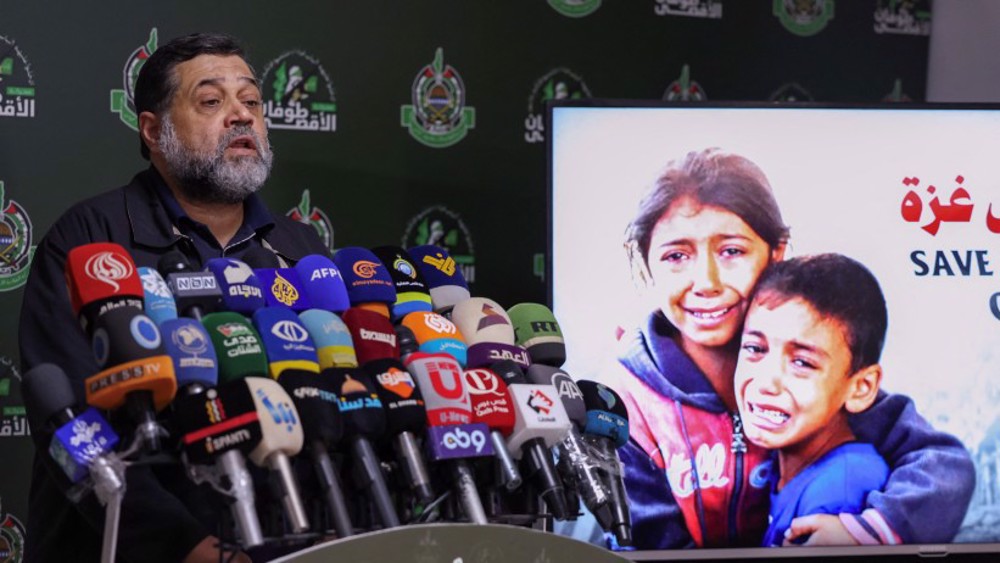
(101, 276)
(369, 285)
(334, 345)
(220, 427)
(536, 330)
(442, 275)
(322, 426)
(136, 371)
(195, 293)
(406, 418)
(412, 293)
(323, 283)
(240, 288)
(607, 428)
(434, 333)
(579, 469)
(159, 302)
(287, 343)
(452, 436)
(364, 422)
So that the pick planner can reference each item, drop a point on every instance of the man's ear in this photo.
(862, 388)
(149, 129)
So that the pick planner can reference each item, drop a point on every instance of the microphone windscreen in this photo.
(123, 335)
(536, 329)
(491, 402)
(401, 399)
(569, 392)
(237, 345)
(334, 346)
(434, 333)
(99, 271)
(412, 293)
(191, 350)
(509, 371)
(286, 342)
(323, 283)
(373, 335)
(606, 412)
(47, 391)
(317, 404)
(221, 419)
(241, 290)
(442, 275)
(283, 288)
(258, 257)
(281, 428)
(365, 276)
(440, 380)
(173, 262)
(485, 354)
(360, 405)
(77, 443)
(195, 291)
(159, 302)
(483, 320)
(406, 340)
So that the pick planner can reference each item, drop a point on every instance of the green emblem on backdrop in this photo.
(684, 89)
(804, 17)
(11, 538)
(438, 117)
(123, 101)
(17, 84)
(575, 8)
(298, 94)
(15, 244)
(442, 227)
(308, 214)
(557, 84)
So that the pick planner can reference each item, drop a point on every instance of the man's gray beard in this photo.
(214, 178)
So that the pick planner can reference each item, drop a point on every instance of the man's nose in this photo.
(237, 113)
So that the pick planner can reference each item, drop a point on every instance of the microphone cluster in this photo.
(377, 369)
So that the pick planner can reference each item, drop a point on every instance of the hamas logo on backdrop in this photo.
(123, 101)
(897, 94)
(903, 17)
(17, 83)
(442, 227)
(305, 213)
(15, 244)
(438, 117)
(298, 94)
(11, 538)
(707, 9)
(575, 8)
(804, 17)
(558, 84)
(791, 92)
(684, 89)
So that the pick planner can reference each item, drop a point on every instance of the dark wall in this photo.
(369, 180)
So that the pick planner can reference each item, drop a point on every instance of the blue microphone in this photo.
(240, 287)
(286, 342)
(196, 364)
(323, 283)
(283, 288)
(159, 302)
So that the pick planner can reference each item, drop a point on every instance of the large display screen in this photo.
(911, 193)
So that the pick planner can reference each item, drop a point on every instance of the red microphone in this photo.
(373, 335)
(493, 406)
(101, 276)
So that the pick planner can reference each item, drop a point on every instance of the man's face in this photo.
(792, 378)
(213, 137)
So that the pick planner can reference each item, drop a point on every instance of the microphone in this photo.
(607, 430)
(323, 283)
(159, 302)
(442, 275)
(536, 330)
(334, 345)
(195, 293)
(434, 333)
(196, 365)
(488, 332)
(492, 406)
(137, 374)
(369, 285)
(452, 437)
(541, 422)
(364, 421)
(220, 427)
(577, 466)
(101, 277)
(405, 418)
(81, 445)
(317, 405)
(240, 287)
(282, 286)
(411, 290)
(237, 345)
(286, 342)
(373, 335)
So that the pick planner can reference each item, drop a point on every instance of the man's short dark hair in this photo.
(837, 287)
(157, 83)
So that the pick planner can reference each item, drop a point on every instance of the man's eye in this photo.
(210, 103)
(252, 103)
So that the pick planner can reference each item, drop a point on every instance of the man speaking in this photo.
(201, 126)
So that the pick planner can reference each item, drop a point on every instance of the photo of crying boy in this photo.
(809, 357)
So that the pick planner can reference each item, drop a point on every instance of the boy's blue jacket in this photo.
(682, 434)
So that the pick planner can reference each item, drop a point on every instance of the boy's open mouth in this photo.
(775, 416)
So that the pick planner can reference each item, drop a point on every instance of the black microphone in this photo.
(196, 293)
(607, 429)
